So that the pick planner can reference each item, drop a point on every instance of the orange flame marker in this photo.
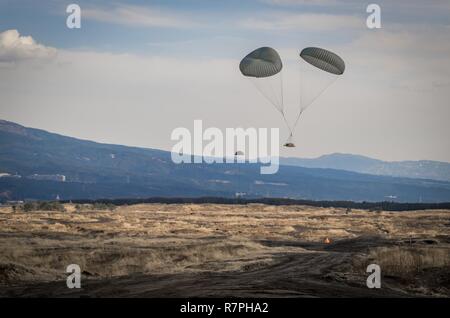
(327, 241)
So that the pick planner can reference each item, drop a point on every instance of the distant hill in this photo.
(424, 169)
(35, 164)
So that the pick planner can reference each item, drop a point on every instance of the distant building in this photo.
(8, 175)
(14, 202)
(48, 177)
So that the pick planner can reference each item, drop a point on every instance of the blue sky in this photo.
(127, 69)
(213, 20)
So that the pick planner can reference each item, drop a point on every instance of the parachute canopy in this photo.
(323, 59)
(262, 62)
(319, 68)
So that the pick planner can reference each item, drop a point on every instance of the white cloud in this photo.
(306, 21)
(139, 16)
(15, 48)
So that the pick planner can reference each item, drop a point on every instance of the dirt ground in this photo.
(212, 250)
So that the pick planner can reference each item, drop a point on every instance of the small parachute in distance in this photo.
(323, 59)
(262, 62)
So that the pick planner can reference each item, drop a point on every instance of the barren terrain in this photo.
(211, 250)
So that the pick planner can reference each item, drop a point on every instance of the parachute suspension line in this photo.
(282, 104)
(320, 93)
(297, 120)
(282, 92)
(274, 99)
(287, 124)
(300, 86)
(280, 108)
(300, 110)
(278, 103)
(302, 107)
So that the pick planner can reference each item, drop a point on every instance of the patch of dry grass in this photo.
(177, 238)
(401, 260)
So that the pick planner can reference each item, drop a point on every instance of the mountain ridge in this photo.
(326, 161)
(423, 169)
(52, 165)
